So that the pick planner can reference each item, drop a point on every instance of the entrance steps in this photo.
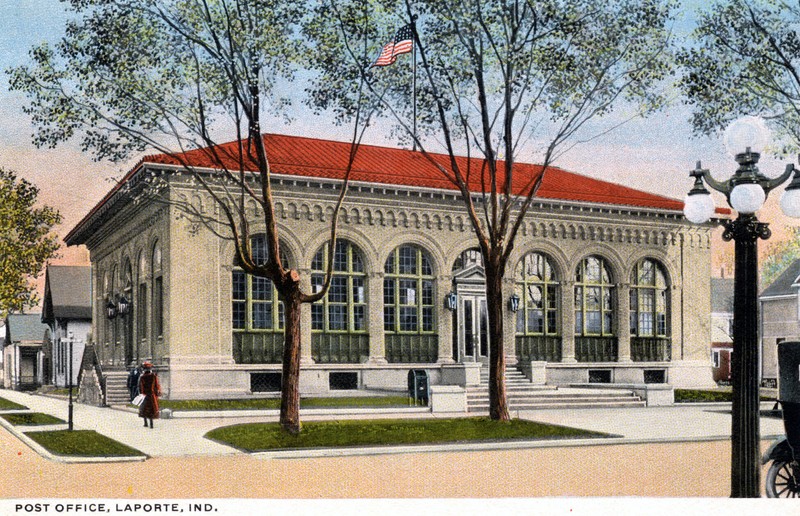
(117, 388)
(523, 395)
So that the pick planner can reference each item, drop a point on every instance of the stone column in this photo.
(445, 325)
(377, 341)
(568, 322)
(305, 320)
(623, 323)
(509, 323)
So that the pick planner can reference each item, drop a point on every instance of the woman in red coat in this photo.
(149, 386)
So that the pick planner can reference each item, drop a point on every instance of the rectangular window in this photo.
(427, 292)
(359, 318)
(662, 324)
(317, 280)
(337, 293)
(388, 292)
(592, 298)
(408, 292)
(358, 291)
(646, 324)
(407, 260)
(340, 257)
(388, 318)
(262, 289)
(317, 321)
(337, 317)
(715, 358)
(239, 315)
(141, 311)
(534, 296)
(535, 321)
(408, 318)
(593, 322)
(551, 322)
(239, 286)
(427, 318)
(262, 316)
(158, 306)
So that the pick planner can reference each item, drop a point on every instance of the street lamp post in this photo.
(746, 192)
(69, 418)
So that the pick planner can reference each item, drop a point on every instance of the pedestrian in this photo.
(133, 382)
(151, 389)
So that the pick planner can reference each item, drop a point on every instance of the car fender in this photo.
(778, 450)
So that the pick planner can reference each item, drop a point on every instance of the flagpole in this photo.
(414, 73)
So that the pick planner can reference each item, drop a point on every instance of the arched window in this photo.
(537, 288)
(648, 300)
(158, 292)
(594, 298)
(408, 292)
(255, 305)
(344, 307)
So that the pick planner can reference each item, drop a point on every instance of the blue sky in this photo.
(653, 154)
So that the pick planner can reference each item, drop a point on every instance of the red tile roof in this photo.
(309, 157)
(316, 158)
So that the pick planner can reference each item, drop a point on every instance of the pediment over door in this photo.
(472, 275)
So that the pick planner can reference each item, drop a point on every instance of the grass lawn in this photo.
(328, 434)
(275, 403)
(82, 443)
(10, 405)
(32, 418)
(704, 396)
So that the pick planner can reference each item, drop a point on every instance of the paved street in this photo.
(671, 451)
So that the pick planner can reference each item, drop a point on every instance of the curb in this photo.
(476, 447)
(38, 448)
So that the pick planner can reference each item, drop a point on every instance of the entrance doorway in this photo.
(471, 318)
(473, 328)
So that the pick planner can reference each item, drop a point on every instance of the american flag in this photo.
(402, 43)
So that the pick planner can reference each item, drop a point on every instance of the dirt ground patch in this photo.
(651, 470)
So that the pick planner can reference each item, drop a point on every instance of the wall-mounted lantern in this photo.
(123, 306)
(451, 301)
(111, 310)
(513, 303)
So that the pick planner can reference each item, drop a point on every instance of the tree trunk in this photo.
(498, 402)
(290, 380)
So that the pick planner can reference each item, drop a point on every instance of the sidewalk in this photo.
(183, 434)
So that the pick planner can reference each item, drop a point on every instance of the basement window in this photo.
(265, 382)
(655, 376)
(599, 375)
(343, 381)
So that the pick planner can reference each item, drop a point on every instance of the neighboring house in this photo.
(613, 282)
(721, 328)
(67, 311)
(23, 356)
(780, 319)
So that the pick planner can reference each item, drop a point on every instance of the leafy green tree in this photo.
(497, 80)
(779, 256)
(27, 241)
(176, 75)
(745, 60)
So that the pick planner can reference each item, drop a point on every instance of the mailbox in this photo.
(419, 386)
